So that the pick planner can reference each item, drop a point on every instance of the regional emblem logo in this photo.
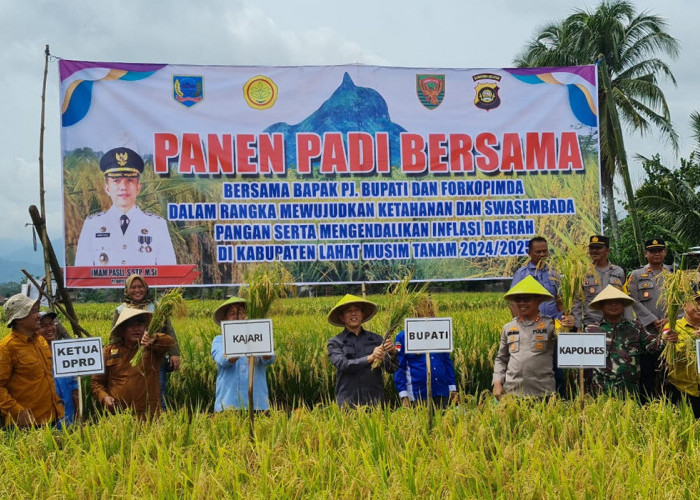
(430, 90)
(487, 91)
(260, 92)
(188, 90)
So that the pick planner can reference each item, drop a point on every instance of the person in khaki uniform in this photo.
(605, 274)
(524, 365)
(27, 392)
(644, 286)
(125, 386)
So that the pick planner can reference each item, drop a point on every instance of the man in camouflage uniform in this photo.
(644, 286)
(625, 341)
(605, 274)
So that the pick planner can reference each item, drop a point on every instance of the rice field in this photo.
(308, 448)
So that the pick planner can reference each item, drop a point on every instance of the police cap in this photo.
(599, 239)
(655, 244)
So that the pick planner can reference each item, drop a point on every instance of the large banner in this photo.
(193, 175)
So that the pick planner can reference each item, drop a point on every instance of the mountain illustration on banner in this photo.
(349, 109)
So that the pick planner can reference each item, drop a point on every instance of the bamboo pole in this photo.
(42, 234)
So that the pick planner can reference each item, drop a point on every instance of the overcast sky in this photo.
(452, 33)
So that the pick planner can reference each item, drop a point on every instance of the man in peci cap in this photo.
(644, 286)
(605, 274)
(124, 234)
(537, 267)
(27, 393)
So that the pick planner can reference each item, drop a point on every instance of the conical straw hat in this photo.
(126, 314)
(528, 286)
(369, 309)
(220, 312)
(611, 293)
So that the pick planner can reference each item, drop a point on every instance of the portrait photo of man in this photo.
(124, 234)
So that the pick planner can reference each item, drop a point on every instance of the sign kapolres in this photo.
(581, 350)
(341, 173)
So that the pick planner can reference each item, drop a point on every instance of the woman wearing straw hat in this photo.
(232, 373)
(626, 341)
(524, 365)
(125, 386)
(353, 352)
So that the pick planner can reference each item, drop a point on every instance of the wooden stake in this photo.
(251, 410)
(431, 409)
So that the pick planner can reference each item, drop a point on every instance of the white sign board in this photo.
(581, 350)
(74, 357)
(427, 335)
(247, 338)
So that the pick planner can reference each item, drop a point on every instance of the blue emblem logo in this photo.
(188, 90)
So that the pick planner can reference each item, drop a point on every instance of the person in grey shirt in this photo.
(605, 274)
(353, 352)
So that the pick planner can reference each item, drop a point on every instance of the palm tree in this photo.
(624, 43)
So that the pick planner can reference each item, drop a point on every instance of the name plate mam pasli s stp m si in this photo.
(247, 338)
(428, 335)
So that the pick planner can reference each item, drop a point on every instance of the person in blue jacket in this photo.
(232, 372)
(411, 378)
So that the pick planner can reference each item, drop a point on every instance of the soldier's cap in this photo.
(655, 244)
(599, 239)
(528, 286)
(369, 309)
(127, 314)
(47, 314)
(220, 312)
(18, 307)
(611, 293)
(121, 162)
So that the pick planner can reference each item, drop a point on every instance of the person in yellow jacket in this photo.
(683, 378)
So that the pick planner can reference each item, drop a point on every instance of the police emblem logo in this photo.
(487, 88)
(103, 258)
(260, 92)
(591, 290)
(594, 239)
(538, 345)
(513, 346)
(188, 90)
(646, 294)
(430, 90)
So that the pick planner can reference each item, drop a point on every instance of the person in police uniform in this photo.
(124, 234)
(605, 274)
(644, 285)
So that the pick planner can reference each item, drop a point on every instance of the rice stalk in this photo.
(676, 290)
(571, 265)
(264, 286)
(402, 303)
(169, 304)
